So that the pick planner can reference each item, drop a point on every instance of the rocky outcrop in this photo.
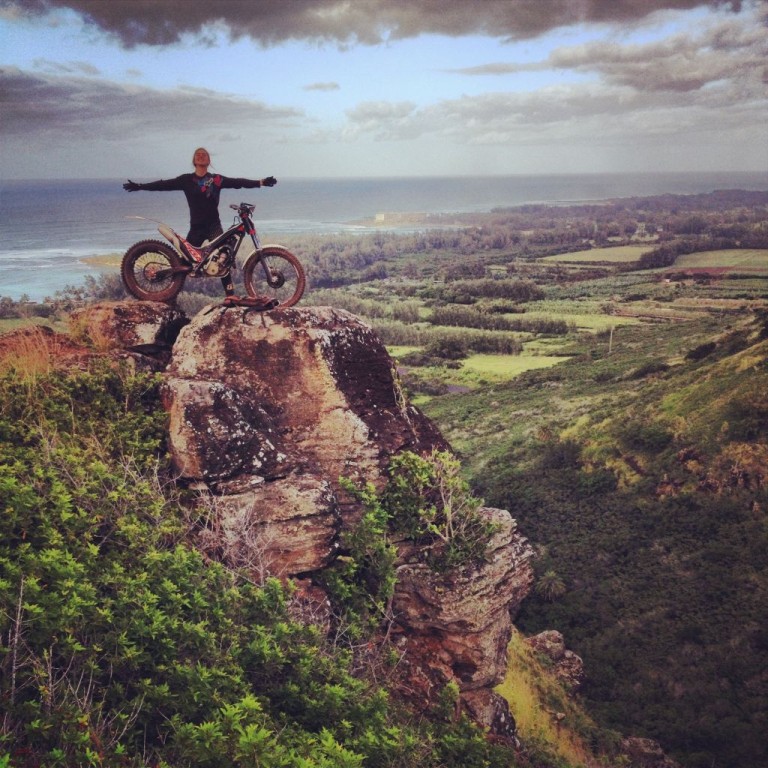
(267, 411)
(567, 666)
(142, 329)
(457, 624)
(645, 753)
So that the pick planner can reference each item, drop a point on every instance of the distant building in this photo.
(394, 217)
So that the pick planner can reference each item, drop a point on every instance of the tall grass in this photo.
(32, 352)
(542, 710)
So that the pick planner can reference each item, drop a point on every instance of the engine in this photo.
(219, 262)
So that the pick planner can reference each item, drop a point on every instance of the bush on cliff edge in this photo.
(121, 645)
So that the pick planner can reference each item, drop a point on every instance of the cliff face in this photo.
(267, 411)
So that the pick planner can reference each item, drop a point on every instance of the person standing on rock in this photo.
(202, 190)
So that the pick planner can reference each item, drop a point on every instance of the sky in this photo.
(371, 88)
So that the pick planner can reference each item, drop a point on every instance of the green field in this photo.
(583, 321)
(475, 372)
(493, 368)
(621, 254)
(399, 351)
(749, 259)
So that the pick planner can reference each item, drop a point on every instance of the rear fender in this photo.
(170, 235)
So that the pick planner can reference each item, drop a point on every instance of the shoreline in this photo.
(103, 260)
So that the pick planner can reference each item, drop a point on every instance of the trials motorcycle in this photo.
(155, 271)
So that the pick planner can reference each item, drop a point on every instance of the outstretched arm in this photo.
(230, 183)
(162, 185)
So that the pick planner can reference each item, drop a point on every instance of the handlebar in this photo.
(247, 207)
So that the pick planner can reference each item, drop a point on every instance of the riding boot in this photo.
(229, 288)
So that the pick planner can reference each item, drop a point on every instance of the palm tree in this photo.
(550, 586)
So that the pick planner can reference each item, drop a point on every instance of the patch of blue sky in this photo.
(57, 44)
(426, 69)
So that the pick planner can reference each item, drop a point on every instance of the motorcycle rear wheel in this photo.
(275, 272)
(150, 271)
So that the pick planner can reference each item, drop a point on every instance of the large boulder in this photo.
(269, 410)
(567, 666)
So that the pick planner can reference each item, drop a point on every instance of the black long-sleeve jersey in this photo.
(202, 193)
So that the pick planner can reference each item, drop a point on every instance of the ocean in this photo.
(48, 229)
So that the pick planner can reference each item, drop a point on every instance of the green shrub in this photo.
(646, 436)
(122, 645)
(447, 349)
(702, 351)
(560, 454)
(429, 501)
(362, 580)
(649, 369)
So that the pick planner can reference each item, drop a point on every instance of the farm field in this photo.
(752, 260)
(475, 372)
(492, 368)
(573, 313)
(620, 254)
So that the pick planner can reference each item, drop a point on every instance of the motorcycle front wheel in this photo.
(150, 271)
(275, 273)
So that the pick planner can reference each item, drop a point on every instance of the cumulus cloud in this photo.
(575, 113)
(330, 86)
(37, 104)
(65, 68)
(711, 79)
(159, 22)
(681, 63)
(725, 51)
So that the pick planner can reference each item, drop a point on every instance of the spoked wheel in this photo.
(150, 271)
(276, 273)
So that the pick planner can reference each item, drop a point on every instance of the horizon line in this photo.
(410, 177)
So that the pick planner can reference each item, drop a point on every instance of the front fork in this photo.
(267, 271)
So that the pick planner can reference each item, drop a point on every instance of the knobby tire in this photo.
(140, 263)
(288, 278)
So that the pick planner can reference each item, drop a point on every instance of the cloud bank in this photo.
(694, 97)
(162, 22)
(728, 51)
(39, 104)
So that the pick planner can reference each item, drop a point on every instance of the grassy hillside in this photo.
(640, 475)
(123, 645)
